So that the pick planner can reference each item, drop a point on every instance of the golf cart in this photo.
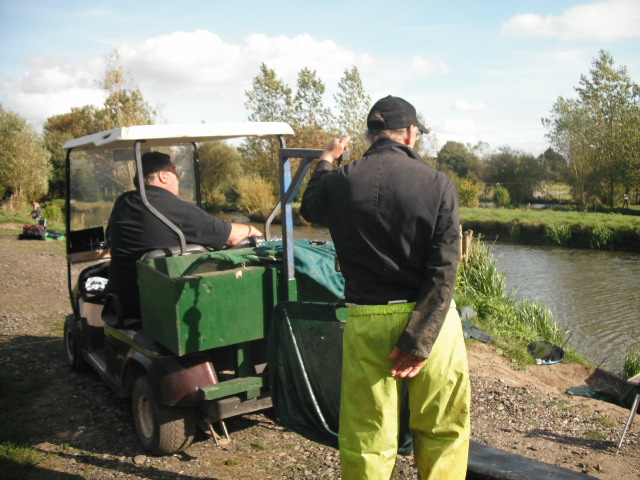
(198, 353)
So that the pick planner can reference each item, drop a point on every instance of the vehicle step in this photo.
(249, 385)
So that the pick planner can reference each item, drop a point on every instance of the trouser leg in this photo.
(439, 401)
(370, 403)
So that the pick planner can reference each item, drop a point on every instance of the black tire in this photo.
(161, 430)
(75, 360)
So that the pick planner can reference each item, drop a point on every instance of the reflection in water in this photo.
(595, 294)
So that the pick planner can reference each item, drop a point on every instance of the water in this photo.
(595, 294)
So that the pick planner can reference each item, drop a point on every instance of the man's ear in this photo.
(410, 139)
(162, 176)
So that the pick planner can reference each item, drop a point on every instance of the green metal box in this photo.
(197, 302)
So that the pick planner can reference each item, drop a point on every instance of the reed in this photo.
(631, 362)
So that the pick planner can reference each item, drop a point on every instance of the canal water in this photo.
(595, 294)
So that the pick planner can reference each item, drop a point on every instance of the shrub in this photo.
(469, 193)
(515, 231)
(602, 237)
(54, 211)
(256, 199)
(558, 233)
(501, 197)
(215, 201)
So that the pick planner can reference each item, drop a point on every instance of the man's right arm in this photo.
(314, 198)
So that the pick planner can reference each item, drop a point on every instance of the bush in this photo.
(558, 233)
(256, 199)
(54, 211)
(602, 237)
(469, 193)
(501, 197)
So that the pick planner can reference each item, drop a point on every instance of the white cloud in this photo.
(177, 68)
(465, 106)
(605, 21)
(462, 130)
(420, 64)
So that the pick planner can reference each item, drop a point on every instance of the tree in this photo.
(24, 160)
(612, 102)
(456, 157)
(125, 105)
(353, 106)
(219, 164)
(269, 100)
(310, 117)
(519, 172)
(567, 129)
(57, 131)
(598, 131)
(554, 164)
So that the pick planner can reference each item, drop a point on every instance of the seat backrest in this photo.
(173, 251)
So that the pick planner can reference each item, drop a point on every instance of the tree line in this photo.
(594, 138)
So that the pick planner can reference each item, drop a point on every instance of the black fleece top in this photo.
(396, 228)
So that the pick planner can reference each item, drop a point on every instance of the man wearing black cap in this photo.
(395, 224)
(133, 230)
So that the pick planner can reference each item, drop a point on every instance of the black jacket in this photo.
(396, 227)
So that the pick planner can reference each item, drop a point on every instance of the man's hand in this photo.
(405, 365)
(335, 148)
(241, 231)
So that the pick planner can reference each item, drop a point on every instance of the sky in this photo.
(477, 71)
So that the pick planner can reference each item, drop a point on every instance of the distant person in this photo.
(36, 213)
(625, 201)
(133, 230)
(395, 224)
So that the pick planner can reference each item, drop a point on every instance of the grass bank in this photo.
(604, 231)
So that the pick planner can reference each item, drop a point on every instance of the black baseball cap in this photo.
(396, 113)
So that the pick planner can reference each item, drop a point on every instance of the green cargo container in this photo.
(193, 303)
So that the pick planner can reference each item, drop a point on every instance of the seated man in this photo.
(133, 230)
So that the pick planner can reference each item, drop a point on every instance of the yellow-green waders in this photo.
(439, 398)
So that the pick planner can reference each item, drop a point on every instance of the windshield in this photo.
(99, 177)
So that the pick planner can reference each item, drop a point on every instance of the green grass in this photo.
(595, 435)
(611, 231)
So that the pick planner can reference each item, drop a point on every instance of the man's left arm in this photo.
(439, 283)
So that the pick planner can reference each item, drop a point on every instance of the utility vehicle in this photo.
(198, 353)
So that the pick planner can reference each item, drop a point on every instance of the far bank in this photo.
(618, 230)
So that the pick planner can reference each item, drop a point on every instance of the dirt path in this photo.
(80, 429)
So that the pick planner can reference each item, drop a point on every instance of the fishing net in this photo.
(545, 353)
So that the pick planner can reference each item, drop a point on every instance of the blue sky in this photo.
(476, 71)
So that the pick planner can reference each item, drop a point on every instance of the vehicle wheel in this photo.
(162, 430)
(75, 360)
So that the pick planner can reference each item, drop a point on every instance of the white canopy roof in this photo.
(164, 135)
